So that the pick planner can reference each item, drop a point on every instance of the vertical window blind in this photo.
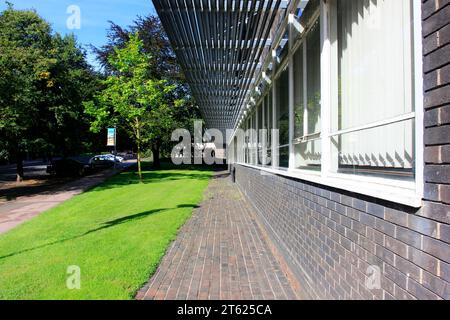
(371, 74)
(375, 85)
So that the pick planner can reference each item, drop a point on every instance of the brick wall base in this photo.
(336, 242)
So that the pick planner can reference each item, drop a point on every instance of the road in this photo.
(31, 169)
(35, 169)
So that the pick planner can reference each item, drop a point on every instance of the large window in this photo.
(247, 141)
(282, 118)
(254, 139)
(250, 139)
(374, 122)
(260, 117)
(268, 124)
(345, 100)
(307, 111)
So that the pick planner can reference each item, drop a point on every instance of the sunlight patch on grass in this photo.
(116, 233)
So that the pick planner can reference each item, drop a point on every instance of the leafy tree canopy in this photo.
(43, 80)
(131, 98)
(154, 43)
(162, 64)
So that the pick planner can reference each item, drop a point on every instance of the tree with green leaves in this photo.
(154, 42)
(163, 65)
(44, 78)
(131, 98)
(66, 128)
(25, 43)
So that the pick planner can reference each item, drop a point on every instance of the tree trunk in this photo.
(139, 162)
(156, 155)
(138, 143)
(20, 173)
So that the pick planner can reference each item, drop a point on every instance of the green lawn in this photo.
(116, 233)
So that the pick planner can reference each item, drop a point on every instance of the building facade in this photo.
(341, 133)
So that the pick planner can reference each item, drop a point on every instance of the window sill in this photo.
(401, 192)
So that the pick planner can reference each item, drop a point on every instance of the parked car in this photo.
(67, 168)
(101, 162)
(112, 158)
(128, 155)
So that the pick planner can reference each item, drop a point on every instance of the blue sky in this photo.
(95, 15)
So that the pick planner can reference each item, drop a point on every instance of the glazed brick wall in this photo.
(436, 48)
(330, 238)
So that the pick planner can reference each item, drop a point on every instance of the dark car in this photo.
(67, 168)
(101, 162)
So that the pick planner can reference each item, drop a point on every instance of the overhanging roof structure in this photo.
(219, 44)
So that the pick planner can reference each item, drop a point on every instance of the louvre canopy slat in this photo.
(219, 45)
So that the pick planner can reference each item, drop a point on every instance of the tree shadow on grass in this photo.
(105, 225)
(137, 216)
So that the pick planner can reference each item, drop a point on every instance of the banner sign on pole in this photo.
(111, 137)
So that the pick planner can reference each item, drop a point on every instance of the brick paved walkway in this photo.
(221, 253)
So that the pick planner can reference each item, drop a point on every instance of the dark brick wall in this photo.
(330, 238)
(436, 48)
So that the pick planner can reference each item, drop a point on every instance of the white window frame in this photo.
(409, 193)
